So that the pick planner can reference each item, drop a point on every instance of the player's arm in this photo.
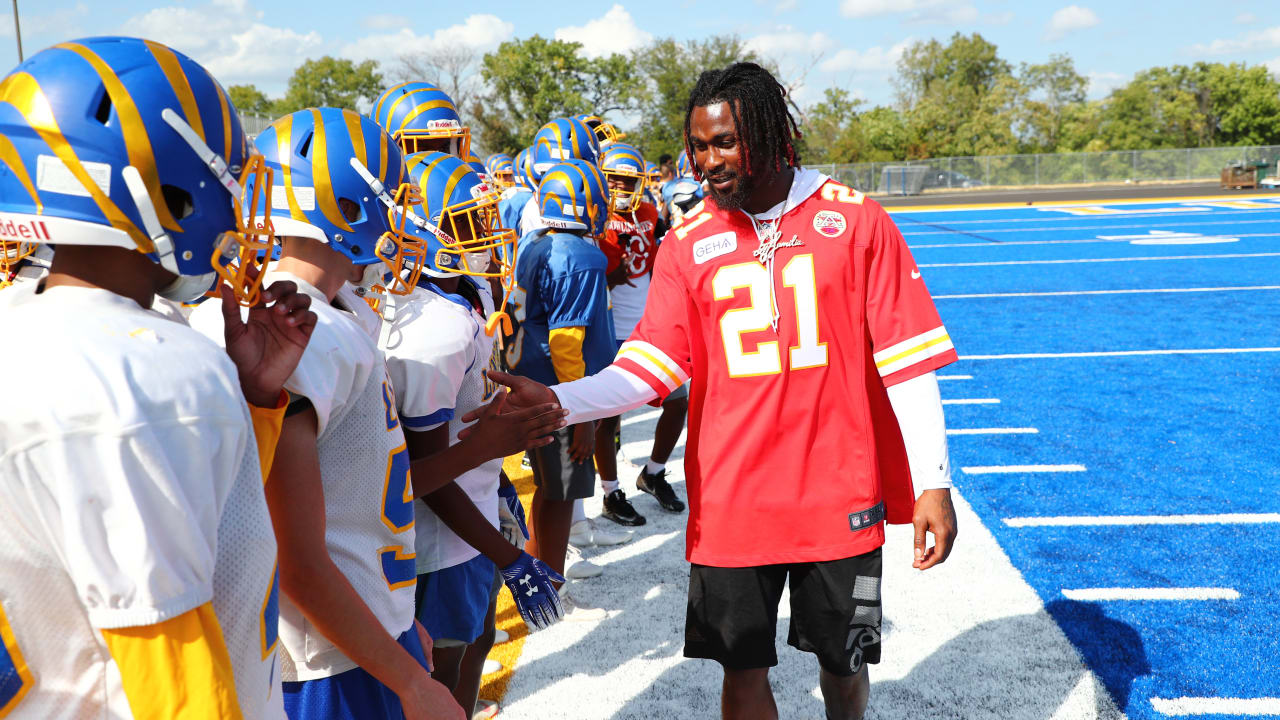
(176, 668)
(455, 508)
(267, 422)
(917, 404)
(308, 575)
(565, 341)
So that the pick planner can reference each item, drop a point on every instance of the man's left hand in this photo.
(933, 513)
(267, 346)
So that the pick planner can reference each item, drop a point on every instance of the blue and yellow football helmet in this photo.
(560, 140)
(462, 230)
(476, 164)
(683, 168)
(573, 195)
(121, 142)
(341, 180)
(606, 132)
(623, 164)
(501, 170)
(525, 176)
(421, 117)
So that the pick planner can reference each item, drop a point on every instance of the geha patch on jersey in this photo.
(714, 246)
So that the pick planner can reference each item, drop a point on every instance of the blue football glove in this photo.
(514, 508)
(529, 580)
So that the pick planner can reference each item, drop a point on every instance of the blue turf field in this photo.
(1158, 434)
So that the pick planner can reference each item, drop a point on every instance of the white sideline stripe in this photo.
(1216, 706)
(1099, 260)
(1152, 593)
(993, 431)
(1096, 520)
(954, 377)
(1122, 353)
(1004, 469)
(1059, 293)
(972, 401)
(1178, 221)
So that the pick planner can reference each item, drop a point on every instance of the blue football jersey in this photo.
(511, 206)
(561, 283)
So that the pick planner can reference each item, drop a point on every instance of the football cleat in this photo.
(656, 485)
(620, 510)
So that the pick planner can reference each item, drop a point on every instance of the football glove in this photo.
(530, 582)
(511, 516)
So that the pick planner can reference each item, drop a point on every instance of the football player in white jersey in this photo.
(437, 353)
(135, 542)
(339, 491)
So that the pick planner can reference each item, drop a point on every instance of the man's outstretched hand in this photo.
(500, 431)
(933, 513)
(267, 346)
(521, 393)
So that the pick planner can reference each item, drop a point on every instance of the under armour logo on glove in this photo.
(530, 582)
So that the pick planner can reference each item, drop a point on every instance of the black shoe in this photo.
(619, 509)
(656, 485)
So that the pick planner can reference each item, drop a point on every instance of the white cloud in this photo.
(874, 59)
(1068, 20)
(227, 38)
(1266, 39)
(1102, 83)
(479, 32)
(1273, 66)
(871, 8)
(1247, 18)
(922, 12)
(787, 41)
(614, 32)
(385, 21)
(60, 23)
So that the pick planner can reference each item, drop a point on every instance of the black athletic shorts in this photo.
(558, 476)
(835, 613)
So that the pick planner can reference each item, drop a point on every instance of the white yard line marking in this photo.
(1045, 224)
(972, 401)
(1150, 593)
(993, 431)
(1123, 353)
(1099, 260)
(1098, 520)
(954, 377)
(1140, 291)
(1216, 706)
(1005, 469)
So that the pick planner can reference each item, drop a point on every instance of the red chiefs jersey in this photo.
(630, 237)
(794, 453)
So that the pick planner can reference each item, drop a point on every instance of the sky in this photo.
(851, 44)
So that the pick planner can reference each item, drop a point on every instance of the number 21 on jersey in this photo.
(798, 274)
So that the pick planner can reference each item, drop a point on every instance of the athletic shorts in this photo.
(351, 695)
(556, 474)
(835, 613)
(452, 602)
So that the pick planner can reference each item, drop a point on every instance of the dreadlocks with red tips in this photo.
(761, 119)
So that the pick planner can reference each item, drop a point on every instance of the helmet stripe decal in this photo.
(382, 158)
(425, 177)
(431, 105)
(136, 140)
(23, 92)
(284, 133)
(391, 109)
(325, 198)
(377, 111)
(10, 157)
(168, 62)
(226, 120)
(356, 132)
(454, 178)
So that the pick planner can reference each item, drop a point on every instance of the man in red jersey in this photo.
(795, 307)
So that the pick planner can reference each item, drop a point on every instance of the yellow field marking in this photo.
(494, 687)
(1073, 203)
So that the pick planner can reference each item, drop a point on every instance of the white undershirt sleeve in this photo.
(918, 405)
(610, 392)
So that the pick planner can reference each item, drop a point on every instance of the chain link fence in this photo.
(1119, 166)
(254, 124)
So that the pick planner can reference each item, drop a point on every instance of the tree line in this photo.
(953, 98)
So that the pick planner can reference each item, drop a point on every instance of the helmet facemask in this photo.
(240, 256)
(625, 199)
(455, 140)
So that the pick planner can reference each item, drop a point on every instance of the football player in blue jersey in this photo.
(564, 332)
(518, 195)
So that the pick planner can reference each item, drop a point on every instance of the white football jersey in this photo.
(364, 467)
(437, 352)
(130, 493)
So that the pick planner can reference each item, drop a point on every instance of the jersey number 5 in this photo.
(799, 275)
